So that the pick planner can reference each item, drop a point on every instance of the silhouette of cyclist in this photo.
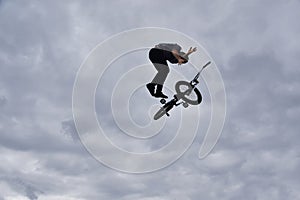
(159, 55)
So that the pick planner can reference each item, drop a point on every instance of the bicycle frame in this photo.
(182, 95)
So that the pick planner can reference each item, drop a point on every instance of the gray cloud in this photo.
(69, 129)
(22, 187)
(3, 101)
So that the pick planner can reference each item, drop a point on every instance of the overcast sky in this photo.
(254, 43)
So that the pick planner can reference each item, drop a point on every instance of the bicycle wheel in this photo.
(161, 112)
(184, 96)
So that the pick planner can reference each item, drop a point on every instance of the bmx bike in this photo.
(184, 95)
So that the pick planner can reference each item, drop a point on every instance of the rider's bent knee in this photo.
(165, 70)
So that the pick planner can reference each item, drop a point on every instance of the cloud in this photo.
(23, 188)
(256, 48)
(69, 129)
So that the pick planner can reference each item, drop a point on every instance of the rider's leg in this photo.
(162, 73)
(160, 78)
(157, 58)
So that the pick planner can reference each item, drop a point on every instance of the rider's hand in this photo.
(180, 61)
(191, 50)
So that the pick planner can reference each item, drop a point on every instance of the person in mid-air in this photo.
(159, 55)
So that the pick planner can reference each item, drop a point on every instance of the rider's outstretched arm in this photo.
(191, 50)
(176, 54)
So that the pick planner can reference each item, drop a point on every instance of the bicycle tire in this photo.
(184, 98)
(161, 112)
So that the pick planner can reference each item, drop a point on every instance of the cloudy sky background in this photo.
(256, 47)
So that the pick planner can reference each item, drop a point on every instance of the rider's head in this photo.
(184, 56)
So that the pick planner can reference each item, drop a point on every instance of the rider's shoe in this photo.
(151, 88)
(159, 93)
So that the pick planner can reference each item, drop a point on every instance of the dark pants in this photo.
(159, 60)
